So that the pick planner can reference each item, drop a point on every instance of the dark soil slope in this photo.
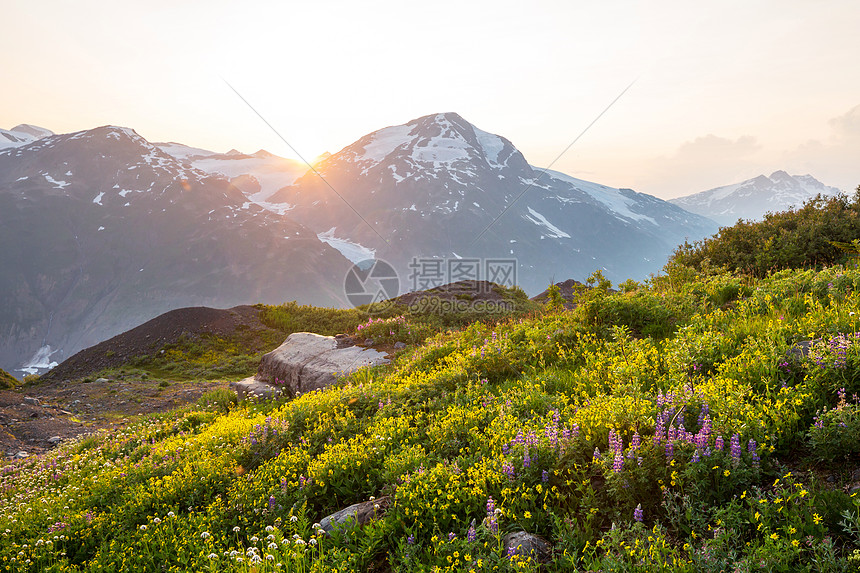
(148, 338)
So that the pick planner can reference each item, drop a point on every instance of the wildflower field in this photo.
(697, 422)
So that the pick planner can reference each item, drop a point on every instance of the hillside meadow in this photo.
(700, 421)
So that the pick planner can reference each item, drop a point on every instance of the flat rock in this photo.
(53, 440)
(360, 513)
(526, 544)
(306, 362)
(102, 380)
(32, 401)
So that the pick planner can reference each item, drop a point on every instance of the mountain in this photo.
(22, 135)
(102, 230)
(257, 175)
(752, 198)
(431, 187)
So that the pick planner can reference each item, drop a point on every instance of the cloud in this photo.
(834, 160)
(847, 125)
(700, 164)
(713, 149)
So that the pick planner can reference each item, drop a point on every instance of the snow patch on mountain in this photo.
(491, 144)
(40, 362)
(352, 251)
(538, 219)
(609, 196)
(385, 141)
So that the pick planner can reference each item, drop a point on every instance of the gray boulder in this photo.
(359, 513)
(526, 544)
(306, 362)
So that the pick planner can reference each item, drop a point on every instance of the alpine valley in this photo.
(102, 230)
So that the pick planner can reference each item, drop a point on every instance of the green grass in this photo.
(7, 380)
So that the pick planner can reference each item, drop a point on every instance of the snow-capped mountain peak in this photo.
(752, 198)
(440, 141)
(22, 135)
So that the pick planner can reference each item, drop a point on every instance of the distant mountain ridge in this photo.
(102, 230)
(752, 198)
(430, 187)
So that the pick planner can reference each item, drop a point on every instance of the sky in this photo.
(721, 91)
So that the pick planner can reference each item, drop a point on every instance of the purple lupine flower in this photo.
(618, 463)
(841, 393)
(703, 414)
(471, 535)
(670, 451)
(410, 540)
(658, 431)
(638, 514)
(527, 461)
(544, 476)
(718, 444)
(508, 469)
(752, 448)
(451, 536)
(491, 506)
(736, 449)
(707, 452)
(596, 455)
(505, 449)
(695, 458)
(271, 503)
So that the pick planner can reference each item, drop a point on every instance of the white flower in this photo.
(156, 521)
(143, 528)
(237, 529)
(212, 556)
(270, 557)
(171, 514)
(270, 537)
(254, 539)
(273, 546)
(312, 541)
(204, 535)
(315, 526)
(269, 529)
(256, 559)
(294, 518)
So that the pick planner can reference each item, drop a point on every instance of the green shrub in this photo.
(805, 237)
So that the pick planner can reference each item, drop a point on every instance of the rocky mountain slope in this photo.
(102, 230)
(431, 187)
(752, 198)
